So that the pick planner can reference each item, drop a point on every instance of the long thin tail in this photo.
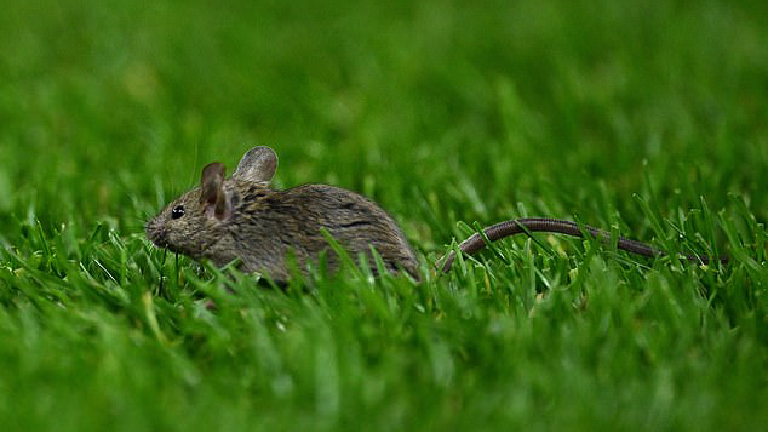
(509, 228)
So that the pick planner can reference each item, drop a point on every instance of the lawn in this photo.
(647, 119)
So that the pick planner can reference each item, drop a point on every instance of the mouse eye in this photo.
(177, 212)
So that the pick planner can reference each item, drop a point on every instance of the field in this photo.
(647, 119)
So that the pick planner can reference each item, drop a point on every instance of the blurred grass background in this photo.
(644, 117)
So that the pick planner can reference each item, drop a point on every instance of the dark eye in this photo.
(177, 212)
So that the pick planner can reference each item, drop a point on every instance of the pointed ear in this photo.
(257, 165)
(212, 193)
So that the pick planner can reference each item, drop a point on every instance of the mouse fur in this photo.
(244, 218)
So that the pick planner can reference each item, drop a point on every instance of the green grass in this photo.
(644, 118)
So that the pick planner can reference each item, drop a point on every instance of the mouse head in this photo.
(196, 220)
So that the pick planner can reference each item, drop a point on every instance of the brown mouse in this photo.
(244, 218)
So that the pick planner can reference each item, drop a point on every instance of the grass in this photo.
(644, 118)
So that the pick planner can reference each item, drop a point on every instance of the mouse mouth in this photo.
(159, 237)
(156, 235)
(159, 240)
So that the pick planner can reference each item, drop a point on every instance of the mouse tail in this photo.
(476, 242)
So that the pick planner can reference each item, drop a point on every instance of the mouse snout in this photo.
(156, 234)
(149, 228)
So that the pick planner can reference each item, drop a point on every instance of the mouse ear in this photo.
(212, 185)
(257, 165)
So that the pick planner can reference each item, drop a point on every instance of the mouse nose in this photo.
(149, 227)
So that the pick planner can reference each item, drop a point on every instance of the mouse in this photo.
(267, 230)
(244, 218)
